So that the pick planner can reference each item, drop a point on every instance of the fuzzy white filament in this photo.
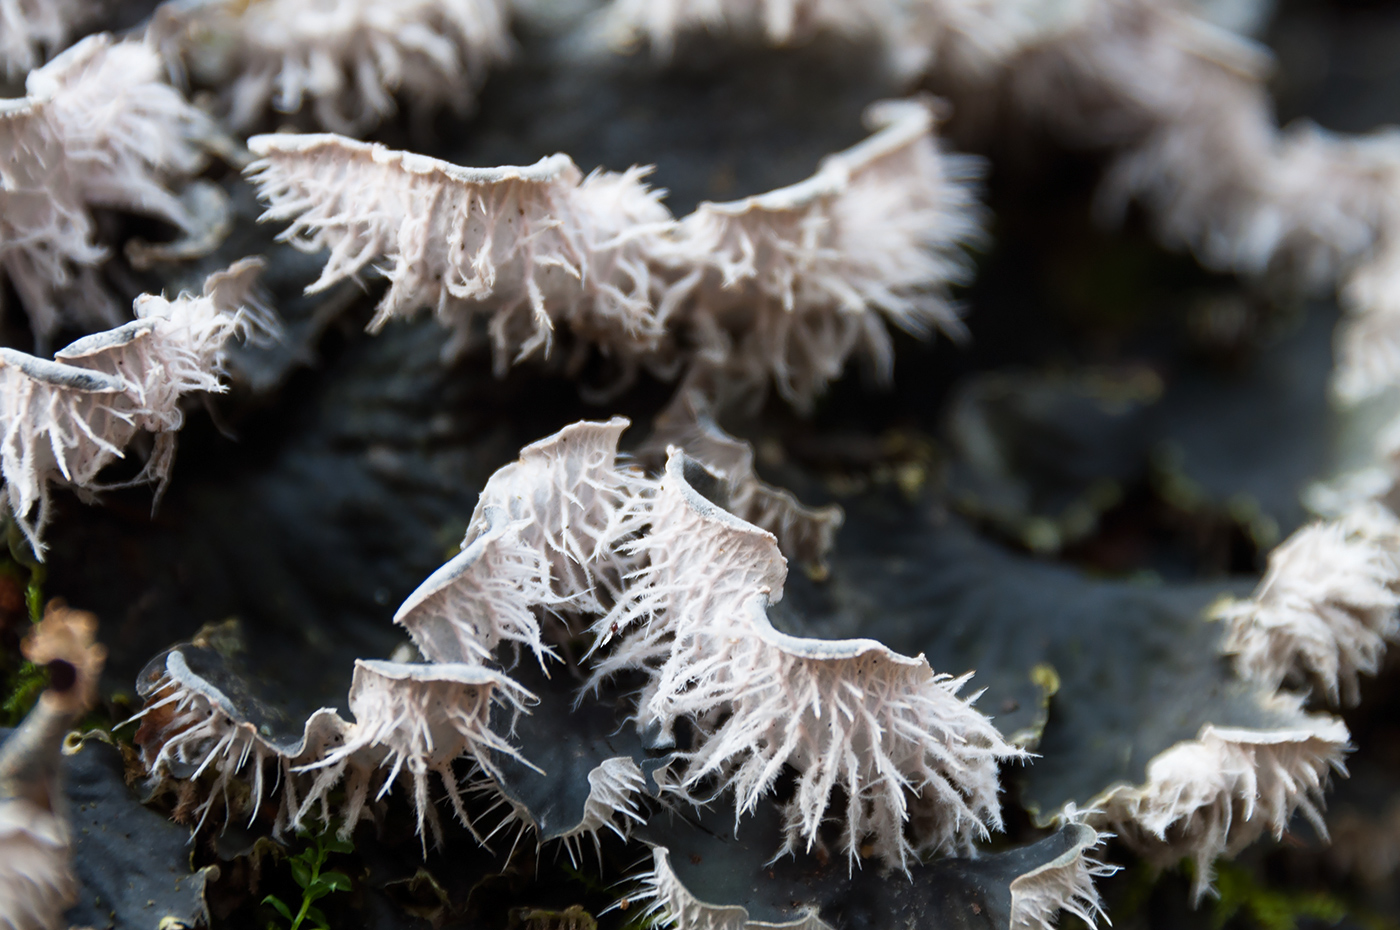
(788, 285)
(525, 249)
(848, 714)
(845, 713)
(345, 60)
(1220, 792)
(417, 719)
(546, 533)
(99, 128)
(805, 534)
(1065, 884)
(660, 23)
(1326, 607)
(63, 421)
(34, 30)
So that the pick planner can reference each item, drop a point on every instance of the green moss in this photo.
(1242, 894)
(23, 681)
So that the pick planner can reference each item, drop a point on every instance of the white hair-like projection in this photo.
(64, 421)
(805, 534)
(1185, 105)
(851, 713)
(625, 23)
(1326, 607)
(779, 288)
(483, 596)
(32, 31)
(545, 534)
(539, 540)
(848, 713)
(1064, 884)
(99, 128)
(347, 59)
(416, 719)
(788, 285)
(409, 719)
(692, 585)
(1220, 792)
(615, 789)
(188, 729)
(1037, 895)
(671, 904)
(525, 248)
(579, 500)
(697, 564)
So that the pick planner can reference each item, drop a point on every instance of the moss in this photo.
(1242, 894)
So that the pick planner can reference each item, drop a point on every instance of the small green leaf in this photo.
(301, 873)
(318, 920)
(278, 906)
(336, 881)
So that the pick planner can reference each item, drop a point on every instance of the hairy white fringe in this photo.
(526, 248)
(697, 564)
(347, 59)
(1326, 607)
(613, 789)
(763, 699)
(965, 37)
(893, 734)
(1065, 884)
(579, 501)
(485, 595)
(417, 719)
(784, 287)
(99, 128)
(36, 879)
(1037, 897)
(545, 534)
(1182, 99)
(788, 285)
(848, 713)
(31, 31)
(1222, 180)
(1222, 791)
(659, 23)
(613, 803)
(185, 728)
(671, 904)
(805, 534)
(1184, 102)
(63, 421)
(409, 719)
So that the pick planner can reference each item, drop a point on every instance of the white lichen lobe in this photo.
(346, 61)
(526, 249)
(1216, 794)
(32, 31)
(788, 285)
(64, 421)
(99, 128)
(884, 727)
(1325, 609)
